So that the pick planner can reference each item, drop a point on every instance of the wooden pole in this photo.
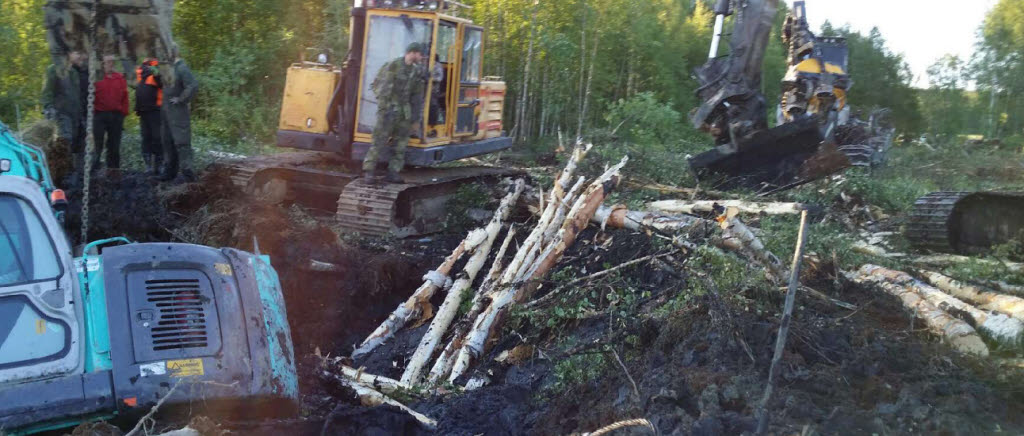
(787, 315)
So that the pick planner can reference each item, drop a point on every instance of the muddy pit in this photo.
(699, 369)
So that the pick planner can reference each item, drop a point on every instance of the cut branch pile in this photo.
(564, 212)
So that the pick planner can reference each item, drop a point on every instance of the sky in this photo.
(922, 30)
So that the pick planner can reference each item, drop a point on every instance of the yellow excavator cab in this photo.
(326, 108)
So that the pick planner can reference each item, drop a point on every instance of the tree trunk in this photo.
(694, 206)
(960, 335)
(450, 306)
(586, 95)
(413, 306)
(444, 362)
(521, 118)
(1008, 304)
(490, 320)
(371, 398)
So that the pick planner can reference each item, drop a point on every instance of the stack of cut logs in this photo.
(561, 215)
(960, 313)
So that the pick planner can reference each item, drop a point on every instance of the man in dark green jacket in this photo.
(63, 104)
(180, 88)
(400, 87)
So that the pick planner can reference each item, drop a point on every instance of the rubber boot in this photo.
(186, 174)
(147, 160)
(393, 177)
(370, 176)
(78, 170)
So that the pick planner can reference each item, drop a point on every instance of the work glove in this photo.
(175, 100)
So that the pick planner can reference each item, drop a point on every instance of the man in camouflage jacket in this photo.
(400, 87)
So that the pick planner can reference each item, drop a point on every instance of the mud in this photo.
(699, 368)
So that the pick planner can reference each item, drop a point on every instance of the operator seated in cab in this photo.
(400, 87)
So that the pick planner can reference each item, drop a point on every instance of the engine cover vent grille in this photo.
(174, 314)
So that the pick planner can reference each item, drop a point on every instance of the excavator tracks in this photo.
(323, 182)
(966, 222)
(369, 208)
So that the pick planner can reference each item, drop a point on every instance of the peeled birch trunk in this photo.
(446, 313)
(1006, 288)
(960, 335)
(490, 319)
(370, 397)
(380, 383)
(620, 217)
(695, 206)
(1004, 330)
(444, 361)
(1008, 304)
(738, 237)
(951, 259)
(412, 307)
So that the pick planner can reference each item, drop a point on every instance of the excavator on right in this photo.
(814, 135)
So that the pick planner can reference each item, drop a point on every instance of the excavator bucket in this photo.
(771, 160)
(132, 30)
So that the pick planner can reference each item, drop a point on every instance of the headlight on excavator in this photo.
(5, 165)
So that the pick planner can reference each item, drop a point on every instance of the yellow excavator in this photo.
(329, 113)
(802, 146)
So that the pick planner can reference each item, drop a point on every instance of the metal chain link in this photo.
(90, 141)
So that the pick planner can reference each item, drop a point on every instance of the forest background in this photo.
(595, 66)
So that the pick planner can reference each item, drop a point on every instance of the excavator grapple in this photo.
(804, 145)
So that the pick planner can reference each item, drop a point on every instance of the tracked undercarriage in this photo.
(966, 222)
(327, 183)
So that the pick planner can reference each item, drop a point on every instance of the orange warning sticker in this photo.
(185, 367)
(40, 326)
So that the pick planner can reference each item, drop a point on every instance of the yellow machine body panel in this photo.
(307, 97)
(812, 65)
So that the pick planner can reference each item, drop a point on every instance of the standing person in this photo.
(62, 103)
(149, 96)
(80, 62)
(399, 87)
(110, 107)
(179, 90)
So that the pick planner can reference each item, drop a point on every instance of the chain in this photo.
(90, 141)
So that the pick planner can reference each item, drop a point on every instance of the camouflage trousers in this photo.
(389, 129)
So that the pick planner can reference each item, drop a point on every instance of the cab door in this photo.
(470, 73)
(40, 335)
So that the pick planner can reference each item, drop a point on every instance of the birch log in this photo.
(380, 383)
(446, 313)
(490, 319)
(444, 361)
(960, 335)
(695, 206)
(411, 307)
(952, 259)
(736, 236)
(1008, 304)
(1006, 288)
(370, 397)
(1004, 330)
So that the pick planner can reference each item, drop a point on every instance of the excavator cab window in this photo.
(386, 40)
(440, 76)
(27, 255)
(26, 251)
(469, 86)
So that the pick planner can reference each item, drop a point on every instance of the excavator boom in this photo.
(748, 153)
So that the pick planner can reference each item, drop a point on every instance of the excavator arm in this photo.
(730, 87)
(733, 110)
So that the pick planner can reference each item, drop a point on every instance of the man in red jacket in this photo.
(110, 108)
